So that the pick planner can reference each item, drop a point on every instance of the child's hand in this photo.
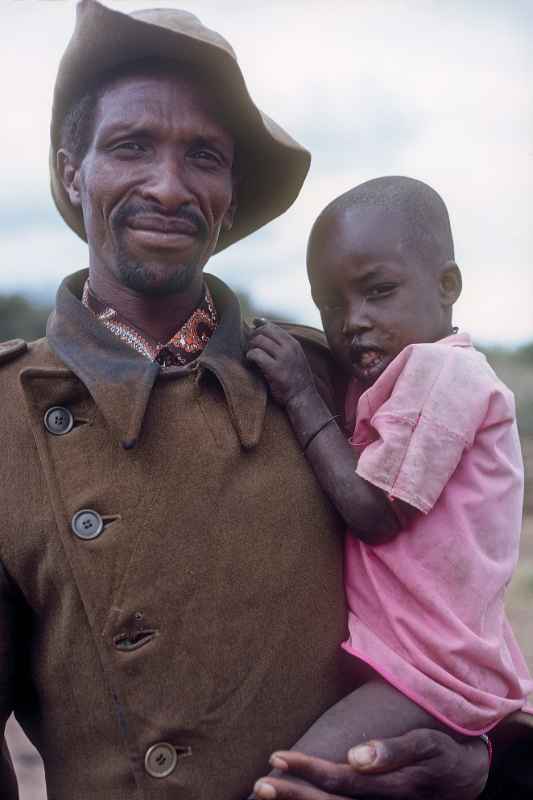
(281, 360)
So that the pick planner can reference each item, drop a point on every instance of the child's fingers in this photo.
(265, 343)
(263, 360)
(272, 331)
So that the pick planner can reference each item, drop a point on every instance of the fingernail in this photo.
(265, 790)
(258, 321)
(362, 756)
(277, 762)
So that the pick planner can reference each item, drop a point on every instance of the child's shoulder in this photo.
(455, 356)
(454, 369)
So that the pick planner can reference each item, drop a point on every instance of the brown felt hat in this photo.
(272, 165)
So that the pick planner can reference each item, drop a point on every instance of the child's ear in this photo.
(450, 283)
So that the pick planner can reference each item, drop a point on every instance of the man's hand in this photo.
(281, 360)
(420, 765)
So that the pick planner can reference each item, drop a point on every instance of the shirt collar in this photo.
(457, 340)
(120, 379)
(184, 345)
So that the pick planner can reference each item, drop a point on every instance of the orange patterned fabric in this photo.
(182, 348)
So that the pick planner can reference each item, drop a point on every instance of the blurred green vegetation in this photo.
(515, 368)
(21, 317)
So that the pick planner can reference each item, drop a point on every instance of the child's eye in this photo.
(326, 303)
(382, 290)
(330, 307)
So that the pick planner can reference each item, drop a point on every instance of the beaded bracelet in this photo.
(321, 428)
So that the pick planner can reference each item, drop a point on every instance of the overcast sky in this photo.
(440, 91)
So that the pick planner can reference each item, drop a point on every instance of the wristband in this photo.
(490, 748)
(321, 428)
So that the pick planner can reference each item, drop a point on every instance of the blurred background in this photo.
(438, 91)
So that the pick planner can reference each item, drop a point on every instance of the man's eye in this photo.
(382, 290)
(130, 147)
(206, 155)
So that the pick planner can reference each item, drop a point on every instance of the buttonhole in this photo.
(81, 421)
(182, 751)
(135, 639)
(108, 519)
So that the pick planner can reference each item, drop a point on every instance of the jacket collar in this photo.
(120, 380)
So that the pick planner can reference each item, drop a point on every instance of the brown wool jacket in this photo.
(208, 613)
(206, 616)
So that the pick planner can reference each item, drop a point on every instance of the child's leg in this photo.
(375, 710)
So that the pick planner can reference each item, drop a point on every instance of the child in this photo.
(430, 484)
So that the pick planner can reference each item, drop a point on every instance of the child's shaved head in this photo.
(382, 272)
(427, 224)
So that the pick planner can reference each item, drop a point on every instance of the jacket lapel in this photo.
(224, 356)
(120, 380)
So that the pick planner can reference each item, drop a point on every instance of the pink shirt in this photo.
(437, 430)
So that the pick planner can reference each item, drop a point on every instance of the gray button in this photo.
(58, 420)
(87, 524)
(160, 760)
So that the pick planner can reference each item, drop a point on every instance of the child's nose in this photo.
(357, 319)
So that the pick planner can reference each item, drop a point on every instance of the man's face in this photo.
(156, 183)
(374, 295)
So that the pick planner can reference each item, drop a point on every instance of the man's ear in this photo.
(229, 216)
(450, 283)
(69, 174)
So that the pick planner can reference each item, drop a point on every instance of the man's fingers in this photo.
(341, 780)
(311, 768)
(278, 789)
(415, 765)
(390, 754)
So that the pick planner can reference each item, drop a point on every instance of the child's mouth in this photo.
(367, 362)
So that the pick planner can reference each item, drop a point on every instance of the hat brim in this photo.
(272, 165)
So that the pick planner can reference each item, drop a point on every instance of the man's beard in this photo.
(138, 275)
(141, 279)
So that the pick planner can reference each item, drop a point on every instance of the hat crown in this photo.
(180, 21)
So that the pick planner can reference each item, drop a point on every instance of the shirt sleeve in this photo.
(438, 402)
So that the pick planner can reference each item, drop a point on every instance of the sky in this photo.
(439, 91)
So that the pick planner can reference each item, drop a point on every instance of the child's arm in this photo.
(364, 507)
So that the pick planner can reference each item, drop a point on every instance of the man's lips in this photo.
(170, 226)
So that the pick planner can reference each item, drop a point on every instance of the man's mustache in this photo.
(130, 211)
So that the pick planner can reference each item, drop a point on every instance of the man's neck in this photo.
(157, 316)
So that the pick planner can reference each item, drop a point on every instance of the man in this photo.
(160, 631)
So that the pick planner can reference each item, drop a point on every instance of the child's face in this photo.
(374, 295)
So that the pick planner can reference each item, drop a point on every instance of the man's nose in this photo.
(167, 184)
(357, 319)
